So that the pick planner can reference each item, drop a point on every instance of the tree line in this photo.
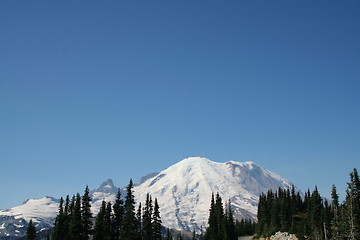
(117, 221)
(311, 216)
(222, 225)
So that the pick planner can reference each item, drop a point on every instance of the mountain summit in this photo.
(184, 190)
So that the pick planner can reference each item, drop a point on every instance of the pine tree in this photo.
(193, 237)
(139, 221)
(352, 206)
(129, 223)
(229, 224)
(147, 218)
(31, 231)
(168, 234)
(59, 230)
(86, 215)
(108, 226)
(118, 209)
(67, 218)
(315, 214)
(99, 228)
(156, 222)
(211, 231)
(76, 220)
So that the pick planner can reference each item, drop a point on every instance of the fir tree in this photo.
(108, 226)
(156, 222)
(193, 237)
(139, 221)
(59, 230)
(168, 234)
(147, 218)
(99, 228)
(129, 223)
(352, 206)
(118, 209)
(335, 223)
(76, 220)
(86, 215)
(31, 231)
(229, 224)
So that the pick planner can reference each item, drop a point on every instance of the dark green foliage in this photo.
(86, 215)
(99, 228)
(139, 221)
(31, 231)
(129, 224)
(312, 216)
(118, 216)
(193, 237)
(147, 219)
(156, 222)
(76, 220)
(221, 226)
(245, 227)
(59, 230)
(168, 234)
(352, 207)
(108, 226)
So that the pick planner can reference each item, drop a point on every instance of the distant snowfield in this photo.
(183, 191)
(39, 210)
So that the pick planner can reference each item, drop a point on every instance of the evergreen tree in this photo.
(139, 221)
(335, 223)
(352, 206)
(168, 234)
(59, 230)
(86, 215)
(108, 226)
(67, 218)
(156, 222)
(129, 223)
(31, 231)
(118, 209)
(99, 228)
(229, 224)
(315, 215)
(193, 237)
(76, 220)
(147, 219)
(211, 231)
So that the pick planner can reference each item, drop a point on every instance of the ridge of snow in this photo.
(184, 189)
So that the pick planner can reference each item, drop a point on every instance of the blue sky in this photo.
(91, 90)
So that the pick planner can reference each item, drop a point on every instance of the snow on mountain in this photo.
(107, 191)
(184, 190)
(39, 210)
(14, 221)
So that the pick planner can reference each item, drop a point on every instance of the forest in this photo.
(308, 216)
(311, 216)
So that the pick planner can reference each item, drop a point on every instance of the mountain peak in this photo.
(184, 189)
(108, 182)
(106, 187)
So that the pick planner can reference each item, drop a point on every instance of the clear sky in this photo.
(91, 90)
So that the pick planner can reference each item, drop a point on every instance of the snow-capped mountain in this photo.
(183, 192)
(14, 221)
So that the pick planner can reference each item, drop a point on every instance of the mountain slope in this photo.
(184, 190)
(14, 221)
